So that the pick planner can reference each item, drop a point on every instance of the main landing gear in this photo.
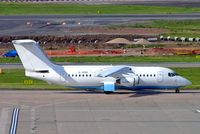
(177, 91)
(108, 92)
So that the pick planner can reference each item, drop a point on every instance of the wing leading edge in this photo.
(115, 71)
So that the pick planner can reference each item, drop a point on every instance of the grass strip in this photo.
(186, 28)
(8, 8)
(179, 58)
(16, 79)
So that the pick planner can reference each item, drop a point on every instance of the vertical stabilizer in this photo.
(32, 57)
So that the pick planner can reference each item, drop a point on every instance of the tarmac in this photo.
(64, 24)
(164, 64)
(84, 112)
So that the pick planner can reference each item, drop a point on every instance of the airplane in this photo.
(107, 78)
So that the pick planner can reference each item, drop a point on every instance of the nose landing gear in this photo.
(177, 91)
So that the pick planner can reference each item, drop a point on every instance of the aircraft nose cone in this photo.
(184, 82)
(188, 82)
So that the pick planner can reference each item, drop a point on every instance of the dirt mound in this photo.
(119, 41)
(142, 42)
(60, 42)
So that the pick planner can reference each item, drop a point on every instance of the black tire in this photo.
(177, 91)
(108, 92)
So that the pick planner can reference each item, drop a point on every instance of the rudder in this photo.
(31, 55)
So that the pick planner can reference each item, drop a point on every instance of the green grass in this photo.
(187, 28)
(113, 59)
(15, 79)
(142, 46)
(129, 59)
(10, 60)
(39, 8)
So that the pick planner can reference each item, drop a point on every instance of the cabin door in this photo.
(160, 76)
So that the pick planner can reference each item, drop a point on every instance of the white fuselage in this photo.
(106, 78)
(86, 77)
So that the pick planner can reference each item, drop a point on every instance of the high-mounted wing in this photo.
(115, 71)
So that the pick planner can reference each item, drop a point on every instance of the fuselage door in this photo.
(175, 81)
(160, 76)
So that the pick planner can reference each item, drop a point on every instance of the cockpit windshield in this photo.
(172, 74)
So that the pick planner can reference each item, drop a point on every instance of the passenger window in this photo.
(154, 75)
(83, 75)
(143, 75)
(76, 75)
(72, 75)
(79, 75)
(90, 75)
(147, 75)
(140, 75)
(150, 75)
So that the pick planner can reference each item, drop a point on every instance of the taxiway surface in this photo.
(81, 112)
(164, 64)
(64, 24)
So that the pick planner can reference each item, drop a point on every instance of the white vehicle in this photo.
(107, 77)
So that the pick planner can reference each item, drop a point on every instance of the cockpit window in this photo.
(172, 74)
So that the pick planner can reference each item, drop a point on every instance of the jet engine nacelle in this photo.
(128, 81)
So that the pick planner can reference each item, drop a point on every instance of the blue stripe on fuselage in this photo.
(124, 87)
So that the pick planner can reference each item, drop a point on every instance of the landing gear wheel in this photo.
(108, 92)
(177, 91)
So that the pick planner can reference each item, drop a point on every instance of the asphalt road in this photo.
(61, 24)
(81, 112)
(165, 64)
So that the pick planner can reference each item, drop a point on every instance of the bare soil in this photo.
(120, 31)
(93, 39)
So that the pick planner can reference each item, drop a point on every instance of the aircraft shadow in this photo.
(142, 93)
(134, 93)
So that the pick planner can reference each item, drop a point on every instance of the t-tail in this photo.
(36, 63)
(32, 57)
